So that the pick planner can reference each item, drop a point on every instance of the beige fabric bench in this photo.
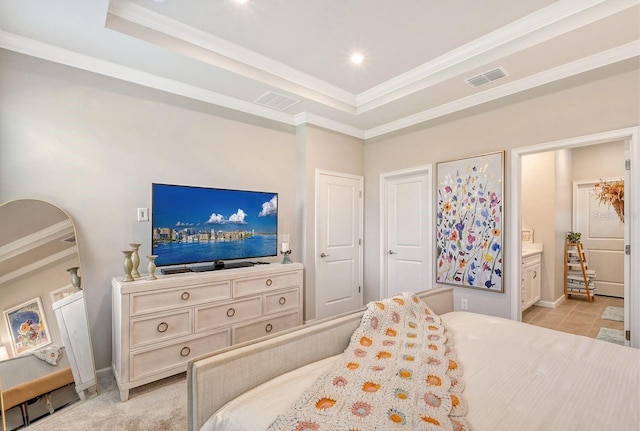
(27, 377)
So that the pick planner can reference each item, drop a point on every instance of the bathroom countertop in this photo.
(531, 249)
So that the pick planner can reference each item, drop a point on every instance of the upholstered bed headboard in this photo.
(215, 379)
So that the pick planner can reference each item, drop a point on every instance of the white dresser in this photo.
(159, 325)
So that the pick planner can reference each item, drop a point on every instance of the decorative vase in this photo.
(152, 267)
(75, 278)
(128, 265)
(135, 259)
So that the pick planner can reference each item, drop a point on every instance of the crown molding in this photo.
(259, 65)
(56, 232)
(552, 21)
(317, 120)
(64, 254)
(55, 54)
(558, 18)
(67, 57)
(614, 55)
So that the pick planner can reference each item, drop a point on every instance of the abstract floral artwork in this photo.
(27, 326)
(469, 222)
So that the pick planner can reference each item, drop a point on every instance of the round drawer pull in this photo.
(185, 295)
(231, 312)
(185, 351)
(282, 300)
(269, 282)
(269, 327)
(162, 327)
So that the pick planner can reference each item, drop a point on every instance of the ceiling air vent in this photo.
(277, 101)
(488, 76)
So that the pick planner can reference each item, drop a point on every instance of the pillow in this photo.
(51, 355)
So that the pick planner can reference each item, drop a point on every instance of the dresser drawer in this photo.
(264, 327)
(226, 314)
(282, 301)
(172, 298)
(249, 286)
(143, 364)
(151, 330)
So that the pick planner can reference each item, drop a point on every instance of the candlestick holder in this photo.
(128, 265)
(285, 257)
(152, 267)
(135, 260)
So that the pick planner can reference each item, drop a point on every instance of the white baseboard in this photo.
(104, 372)
(550, 304)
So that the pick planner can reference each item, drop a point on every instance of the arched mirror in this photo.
(46, 361)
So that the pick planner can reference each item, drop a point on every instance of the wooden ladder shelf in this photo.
(578, 278)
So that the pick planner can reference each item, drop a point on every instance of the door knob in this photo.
(324, 255)
(392, 252)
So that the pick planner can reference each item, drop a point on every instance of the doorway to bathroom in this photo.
(554, 194)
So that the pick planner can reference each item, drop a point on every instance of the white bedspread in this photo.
(518, 377)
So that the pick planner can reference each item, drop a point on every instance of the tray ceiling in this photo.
(418, 53)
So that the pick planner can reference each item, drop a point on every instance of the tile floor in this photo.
(575, 315)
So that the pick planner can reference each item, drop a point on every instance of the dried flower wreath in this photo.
(612, 193)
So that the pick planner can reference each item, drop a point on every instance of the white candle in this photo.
(285, 247)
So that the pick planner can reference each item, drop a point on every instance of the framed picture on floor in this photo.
(469, 222)
(27, 326)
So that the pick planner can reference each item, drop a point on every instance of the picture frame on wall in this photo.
(27, 327)
(469, 222)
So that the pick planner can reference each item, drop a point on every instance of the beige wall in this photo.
(329, 151)
(594, 103)
(93, 146)
(538, 212)
(598, 161)
(562, 220)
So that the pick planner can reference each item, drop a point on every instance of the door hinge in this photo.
(627, 335)
(627, 165)
(359, 287)
(360, 193)
(359, 241)
(627, 250)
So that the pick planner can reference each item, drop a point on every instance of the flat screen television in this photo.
(199, 224)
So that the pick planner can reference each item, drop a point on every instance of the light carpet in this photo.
(613, 313)
(158, 406)
(611, 335)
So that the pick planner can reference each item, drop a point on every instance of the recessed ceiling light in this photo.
(357, 58)
(241, 1)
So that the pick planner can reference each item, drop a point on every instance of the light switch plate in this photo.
(143, 214)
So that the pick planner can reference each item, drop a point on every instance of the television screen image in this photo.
(199, 224)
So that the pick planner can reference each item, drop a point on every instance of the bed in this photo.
(517, 376)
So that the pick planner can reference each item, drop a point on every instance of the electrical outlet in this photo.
(464, 304)
(143, 214)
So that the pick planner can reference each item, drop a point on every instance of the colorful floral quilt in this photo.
(399, 372)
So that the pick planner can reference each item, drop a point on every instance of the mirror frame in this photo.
(92, 389)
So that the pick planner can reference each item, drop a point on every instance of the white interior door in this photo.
(602, 237)
(407, 247)
(338, 243)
